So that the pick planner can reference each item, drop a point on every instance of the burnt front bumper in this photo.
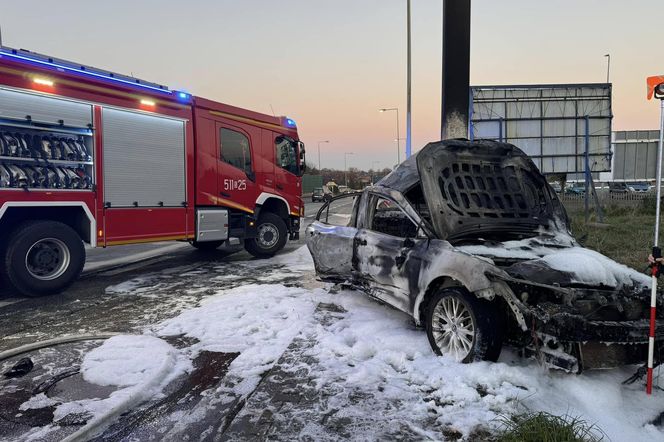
(597, 344)
(574, 328)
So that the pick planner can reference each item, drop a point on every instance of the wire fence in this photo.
(608, 198)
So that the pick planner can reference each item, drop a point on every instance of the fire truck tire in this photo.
(43, 257)
(207, 246)
(272, 236)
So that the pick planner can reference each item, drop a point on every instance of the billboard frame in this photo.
(582, 154)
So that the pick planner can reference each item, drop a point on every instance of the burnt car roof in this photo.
(474, 187)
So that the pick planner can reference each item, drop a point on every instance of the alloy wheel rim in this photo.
(47, 259)
(268, 235)
(453, 328)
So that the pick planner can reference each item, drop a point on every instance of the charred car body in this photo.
(469, 239)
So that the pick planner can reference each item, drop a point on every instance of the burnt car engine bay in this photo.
(470, 240)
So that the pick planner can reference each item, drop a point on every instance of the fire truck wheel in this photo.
(272, 236)
(43, 257)
(207, 246)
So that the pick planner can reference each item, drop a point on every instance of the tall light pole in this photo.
(398, 136)
(608, 66)
(346, 167)
(319, 143)
(408, 78)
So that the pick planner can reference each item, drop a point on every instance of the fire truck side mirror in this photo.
(303, 163)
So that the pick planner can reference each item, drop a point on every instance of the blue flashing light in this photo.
(183, 96)
(290, 122)
(83, 70)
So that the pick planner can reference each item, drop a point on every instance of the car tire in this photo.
(271, 236)
(473, 333)
(207, 246)
(43, 258)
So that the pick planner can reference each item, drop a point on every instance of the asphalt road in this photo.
(128, 261)
(180, 277)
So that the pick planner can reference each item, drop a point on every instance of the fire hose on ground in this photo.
(95, 425)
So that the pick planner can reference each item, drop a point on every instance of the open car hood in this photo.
(485, 187)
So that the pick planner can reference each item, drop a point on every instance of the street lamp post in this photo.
(408, 81)
(398, 135)
(346, 167)
(319, 143)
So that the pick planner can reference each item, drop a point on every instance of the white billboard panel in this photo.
(635, 155)
(551, 123)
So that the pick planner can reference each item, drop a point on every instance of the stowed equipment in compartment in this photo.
(46, 147)
(39, 159)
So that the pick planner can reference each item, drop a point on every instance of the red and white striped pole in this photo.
(656, 87)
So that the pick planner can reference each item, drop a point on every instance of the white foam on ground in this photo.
(371, 351)
(141, 365)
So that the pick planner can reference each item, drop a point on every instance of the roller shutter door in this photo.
(42, 109)
(144, 159)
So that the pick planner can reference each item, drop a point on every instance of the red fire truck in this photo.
(90, 156)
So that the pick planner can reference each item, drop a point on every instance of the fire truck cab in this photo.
(91, 156)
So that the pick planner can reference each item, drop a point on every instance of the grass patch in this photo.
(546, 427)
(627, 239)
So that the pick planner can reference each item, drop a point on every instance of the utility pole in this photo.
(456, 69)
(408, 87)
(346, 167)
(319, 143)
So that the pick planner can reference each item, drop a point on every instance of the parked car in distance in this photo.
(638, 186)
(618, 187)
(556, 187)
(575, 189)
(318, 195)
(469, 240)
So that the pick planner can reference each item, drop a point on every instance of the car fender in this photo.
(477, 275)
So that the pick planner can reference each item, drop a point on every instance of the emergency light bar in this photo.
(63, 65)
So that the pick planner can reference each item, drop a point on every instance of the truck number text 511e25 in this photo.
(235, 184)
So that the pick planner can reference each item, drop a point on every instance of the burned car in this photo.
(470, 240)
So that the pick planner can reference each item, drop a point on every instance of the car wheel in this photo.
(463, 327)
(270, 238)
(207, 246)
(43, 257)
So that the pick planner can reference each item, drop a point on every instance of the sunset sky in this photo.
(331, 64)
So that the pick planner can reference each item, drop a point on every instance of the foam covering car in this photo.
(470, 240)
